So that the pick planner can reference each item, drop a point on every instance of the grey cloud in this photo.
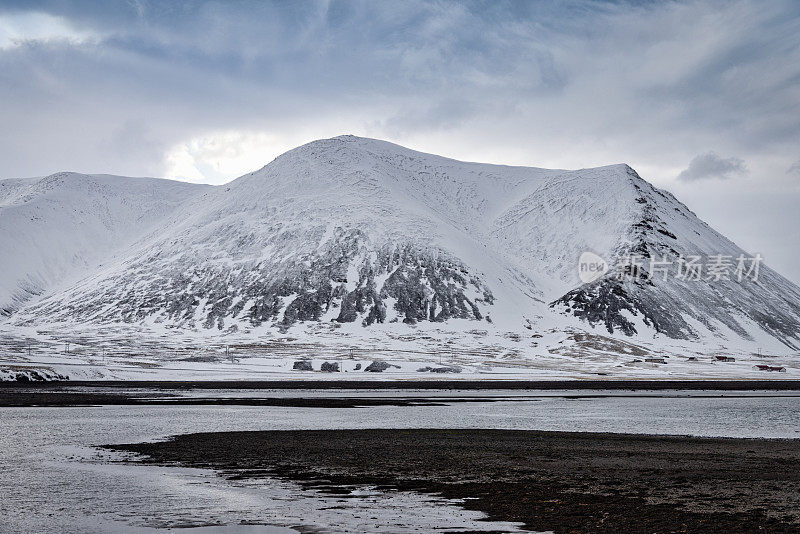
(439, 116)
(794, 169)
(574, 83)
(710, 165)
(566, 84)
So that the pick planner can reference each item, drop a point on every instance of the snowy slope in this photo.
(364, 240)
(762, 309)
(61, 225)
(342, 229)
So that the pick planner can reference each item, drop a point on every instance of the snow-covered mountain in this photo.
(362, 234)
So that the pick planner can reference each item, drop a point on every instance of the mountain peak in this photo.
(350, 232)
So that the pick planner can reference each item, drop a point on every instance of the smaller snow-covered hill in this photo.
(57, 228)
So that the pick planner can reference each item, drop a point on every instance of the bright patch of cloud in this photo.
(218, 157)
(710, 165)
(19, 28)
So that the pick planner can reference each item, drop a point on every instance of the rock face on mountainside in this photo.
(680, 308)
(359, 231)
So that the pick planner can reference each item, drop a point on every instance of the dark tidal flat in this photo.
(550, 481)
(390, 384)
(18, 399)
(166, 393)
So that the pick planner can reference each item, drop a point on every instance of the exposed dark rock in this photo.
(31, 375)
(210, 358)
(302, 365)
(429, 287)
(330, 367)
(666, 233)
(362, 300)
(307, 307)
(425, 283)
(439, 370)
(603, 302)
(379, 367)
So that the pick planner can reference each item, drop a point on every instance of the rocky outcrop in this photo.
(439, 370)
(302, 365)
(379, 367)
(344, 282)
(31, 375)
(329, 367)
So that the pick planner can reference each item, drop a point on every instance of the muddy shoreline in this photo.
(565, 482)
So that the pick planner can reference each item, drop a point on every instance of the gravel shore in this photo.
(564, 482)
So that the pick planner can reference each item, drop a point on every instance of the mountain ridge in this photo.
(354, 230)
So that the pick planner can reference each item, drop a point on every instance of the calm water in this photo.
(54, 480)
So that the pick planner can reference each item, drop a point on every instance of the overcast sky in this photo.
(701, 98)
